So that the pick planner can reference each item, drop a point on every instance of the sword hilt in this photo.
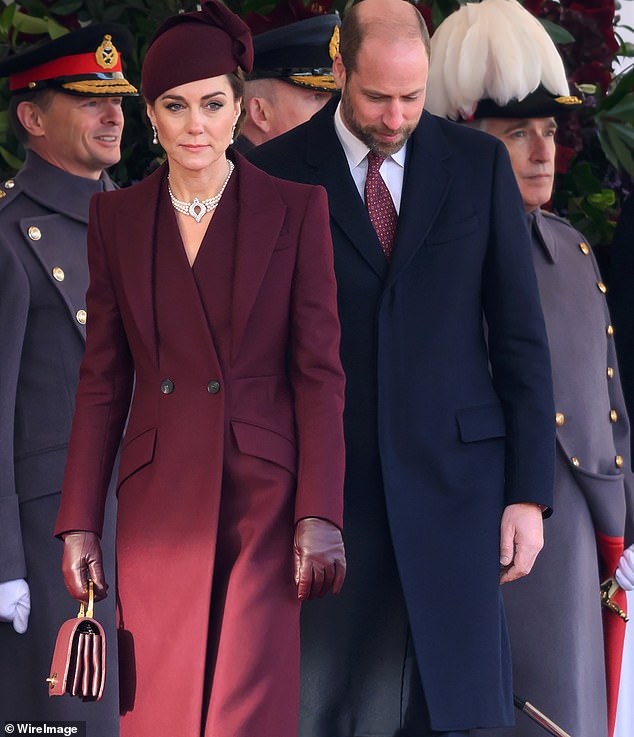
(608, 589)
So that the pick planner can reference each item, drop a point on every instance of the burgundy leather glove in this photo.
(320, 559)
(82, 560)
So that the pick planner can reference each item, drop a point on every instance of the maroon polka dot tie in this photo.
(380, 205)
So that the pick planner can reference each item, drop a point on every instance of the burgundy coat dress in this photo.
(234, 433)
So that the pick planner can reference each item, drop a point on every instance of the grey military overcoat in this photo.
(43, 280)
(554, 614)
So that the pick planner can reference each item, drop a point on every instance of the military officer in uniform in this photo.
(291, 78)
(66, 109)
(561, 641)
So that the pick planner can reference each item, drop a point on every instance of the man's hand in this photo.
(15, 604)
(82, 560)
(521, 539)
(320, 559)
(625, 570)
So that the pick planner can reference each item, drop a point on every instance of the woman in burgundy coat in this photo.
(213, 323)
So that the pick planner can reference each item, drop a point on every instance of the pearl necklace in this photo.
(198, 208)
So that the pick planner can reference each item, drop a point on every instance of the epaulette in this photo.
(552, 216)
(9, 188)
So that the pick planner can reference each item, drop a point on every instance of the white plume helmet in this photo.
(493, 49)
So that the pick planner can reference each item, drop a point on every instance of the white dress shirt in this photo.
(392, 169)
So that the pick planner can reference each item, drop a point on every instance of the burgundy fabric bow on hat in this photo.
(198, 45)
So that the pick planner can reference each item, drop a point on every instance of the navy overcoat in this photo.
(443, 429)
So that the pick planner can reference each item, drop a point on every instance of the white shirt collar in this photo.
(354, 149)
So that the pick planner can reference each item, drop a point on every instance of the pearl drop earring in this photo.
(155, 139)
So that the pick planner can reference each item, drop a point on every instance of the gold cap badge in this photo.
(106, 54)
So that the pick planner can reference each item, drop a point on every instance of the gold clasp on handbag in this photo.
(88, 612)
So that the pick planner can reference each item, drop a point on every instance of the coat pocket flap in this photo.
(264, 443)
(481, 423)
(136, 453)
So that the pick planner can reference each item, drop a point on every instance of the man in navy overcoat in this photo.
(449, 415)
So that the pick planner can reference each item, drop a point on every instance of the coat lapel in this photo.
(256, 238)
(137, 234)
(425, 187)
(326, 157)
(262, 213)
(539, 231)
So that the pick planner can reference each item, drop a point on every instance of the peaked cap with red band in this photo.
(86, 62)
(192, 46)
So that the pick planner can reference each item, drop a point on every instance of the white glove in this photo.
(15, 604)
(625, 570)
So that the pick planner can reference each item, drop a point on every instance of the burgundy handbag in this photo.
(79, 659)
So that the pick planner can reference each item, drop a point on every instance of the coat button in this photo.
(602, 288)
(34, 233)
(575, 461)
(560, 419)
(81, 316)
(2, 193)
(618, 460)
(9, 184)
(58, 273)
(610, 372)
(584, 248)
(614, 415)
(213, 387)
(167, 386)
(609, 330)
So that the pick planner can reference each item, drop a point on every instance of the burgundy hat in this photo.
(192, 46)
